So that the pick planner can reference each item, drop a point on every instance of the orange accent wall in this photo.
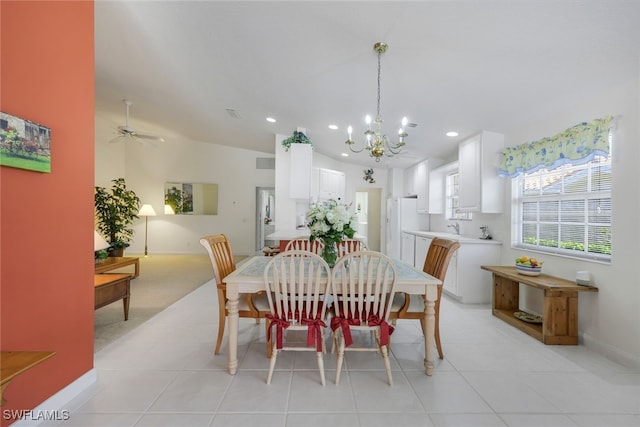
(46, 219)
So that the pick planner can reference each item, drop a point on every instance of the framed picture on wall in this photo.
(24, 144)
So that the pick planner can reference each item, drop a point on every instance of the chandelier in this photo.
(377, 143)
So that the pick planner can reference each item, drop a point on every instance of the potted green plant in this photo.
(173, 197)
(297, 138)
(100, 255)
(115, 210)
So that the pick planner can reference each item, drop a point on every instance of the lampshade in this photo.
(98, 242)
(168, 210)
(147, 210)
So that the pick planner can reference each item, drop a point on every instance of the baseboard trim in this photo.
(611, 352)
(55, 405)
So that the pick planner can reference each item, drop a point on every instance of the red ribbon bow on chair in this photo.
(314, 333)
(281, 324)
(337, 322)
(385, 329)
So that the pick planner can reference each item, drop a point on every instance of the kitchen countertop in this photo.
(293, 233)
(452, 236)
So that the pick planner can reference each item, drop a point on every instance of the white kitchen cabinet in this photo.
(465, 280)
(481, 190)
(422, 247)
(329, 184)
(450, 284)
(416, 183)
(300, 162)
(407, 254)
(410, 181)
(395, 181)
(420, 179)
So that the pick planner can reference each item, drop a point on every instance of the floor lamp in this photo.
(146, 211)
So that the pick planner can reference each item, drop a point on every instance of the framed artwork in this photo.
(191, 198)
(24, 144)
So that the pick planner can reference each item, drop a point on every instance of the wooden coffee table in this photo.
(115, 262)
(112, 287)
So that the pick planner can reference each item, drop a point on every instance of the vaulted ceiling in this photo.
(212, 71)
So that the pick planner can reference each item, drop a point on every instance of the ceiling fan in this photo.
(129, 132)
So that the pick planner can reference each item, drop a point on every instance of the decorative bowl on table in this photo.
(528, 266)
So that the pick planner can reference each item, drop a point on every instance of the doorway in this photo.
(265, 216)
(369, 211)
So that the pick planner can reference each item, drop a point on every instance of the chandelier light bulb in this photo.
(349, 131)
(404, 121)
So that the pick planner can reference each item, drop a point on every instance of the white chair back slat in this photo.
(297, 273)
(364, 281)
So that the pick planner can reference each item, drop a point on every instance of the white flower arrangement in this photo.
(331, 222)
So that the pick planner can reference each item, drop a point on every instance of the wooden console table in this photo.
(13, 363)
(114, 262)
(560, 307)
(111, 287)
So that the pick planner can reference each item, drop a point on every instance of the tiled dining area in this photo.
(164, 374)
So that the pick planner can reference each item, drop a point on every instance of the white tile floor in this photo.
(164, 374)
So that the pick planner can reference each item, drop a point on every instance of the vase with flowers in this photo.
(330, 222)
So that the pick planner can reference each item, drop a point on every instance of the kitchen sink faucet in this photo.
(456, 227)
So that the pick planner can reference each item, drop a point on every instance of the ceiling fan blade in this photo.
(151, 137)
(129, 132)
(115, 139)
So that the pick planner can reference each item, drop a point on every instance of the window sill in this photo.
(592, 259)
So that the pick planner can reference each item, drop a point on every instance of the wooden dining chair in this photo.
(253, 306)
(363, 289)
(303, 243)
(296, 283)
(436, 264)
(350, 245)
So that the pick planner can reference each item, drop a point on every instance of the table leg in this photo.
(137, 269)
(232, 307)
(125, 304)
(429, 338)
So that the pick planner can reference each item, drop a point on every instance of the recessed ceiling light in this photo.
(271, 120)
(452, 133)
(344, 155)
(333, 127)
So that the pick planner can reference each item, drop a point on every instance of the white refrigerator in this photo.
(402, 215)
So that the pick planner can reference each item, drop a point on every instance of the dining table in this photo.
(249, 278)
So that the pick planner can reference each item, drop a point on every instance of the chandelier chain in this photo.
(379, 70)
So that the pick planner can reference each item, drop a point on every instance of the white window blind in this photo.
(566, 210)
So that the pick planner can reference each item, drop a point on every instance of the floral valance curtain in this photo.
(575, 145)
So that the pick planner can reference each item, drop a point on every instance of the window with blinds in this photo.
(566, 210)
(452, 200)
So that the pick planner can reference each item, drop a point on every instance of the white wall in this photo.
(147, 167)
(608, 320)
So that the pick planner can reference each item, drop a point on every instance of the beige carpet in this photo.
(163, 280)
